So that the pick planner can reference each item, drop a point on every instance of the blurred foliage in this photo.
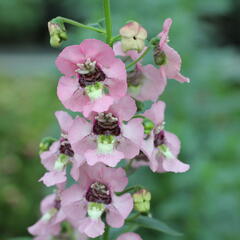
(203, 203)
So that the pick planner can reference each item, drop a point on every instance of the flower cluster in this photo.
(98, 84)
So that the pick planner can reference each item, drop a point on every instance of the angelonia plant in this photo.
(114, 134)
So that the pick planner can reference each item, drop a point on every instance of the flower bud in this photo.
(142, 200)
(133, 37)
(46, 143)
(57, 33)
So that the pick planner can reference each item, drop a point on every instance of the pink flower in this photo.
(160, 146)
(129, 236)
(59, 154)
(107, 138)
(93, 79)
(144, 82)
(85, 202)
(167, 57)
(52, 216)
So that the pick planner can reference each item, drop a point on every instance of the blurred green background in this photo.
(203, 203)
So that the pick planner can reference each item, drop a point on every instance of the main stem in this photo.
(108, 20)
(106, 233)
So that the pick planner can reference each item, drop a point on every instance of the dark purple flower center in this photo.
(141, 157)
(92, 77)
(99, 193)
(106, 124)
(65, 147)
(159, 138)
(57, 203)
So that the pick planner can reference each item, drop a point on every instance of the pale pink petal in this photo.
(173, 65)
(78, 161)
(128, 148)
(76, 210)
(156, 112)
(134, 131)
(116, 71)
(47, 203)
(99, 105)
(116, 178)
(99, 51)
(129, 236)
(174, 165)
(60, 216)
(148, 145)
(44, 228)
(173, 142)
(78, 131)
(65, 121)
(75, 193)
(110, 159)
(116, 88)
(156, 161)
(119, 210)
(53, 178)
(91, 227)
(124, 109)
(70, 94)
(164, 34)
(87, 143)
(179, 77)
(49, 157)
(68, 58)
(154, 83)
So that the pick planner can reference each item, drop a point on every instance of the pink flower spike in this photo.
(93, 79)
(129, 236)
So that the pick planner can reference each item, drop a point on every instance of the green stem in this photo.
(133, 188)
(115, 39)
(138, 59)
(77, 24)
(133, 217)
(108, 20)
(106, 233)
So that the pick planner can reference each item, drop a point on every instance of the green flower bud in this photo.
(133, 37)
(46, 143)
(142, 200)
(57, 32)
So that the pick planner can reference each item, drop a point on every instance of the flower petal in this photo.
(65, 121)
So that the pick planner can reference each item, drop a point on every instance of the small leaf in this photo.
(154, 224)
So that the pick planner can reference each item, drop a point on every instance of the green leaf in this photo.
(154, 224)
